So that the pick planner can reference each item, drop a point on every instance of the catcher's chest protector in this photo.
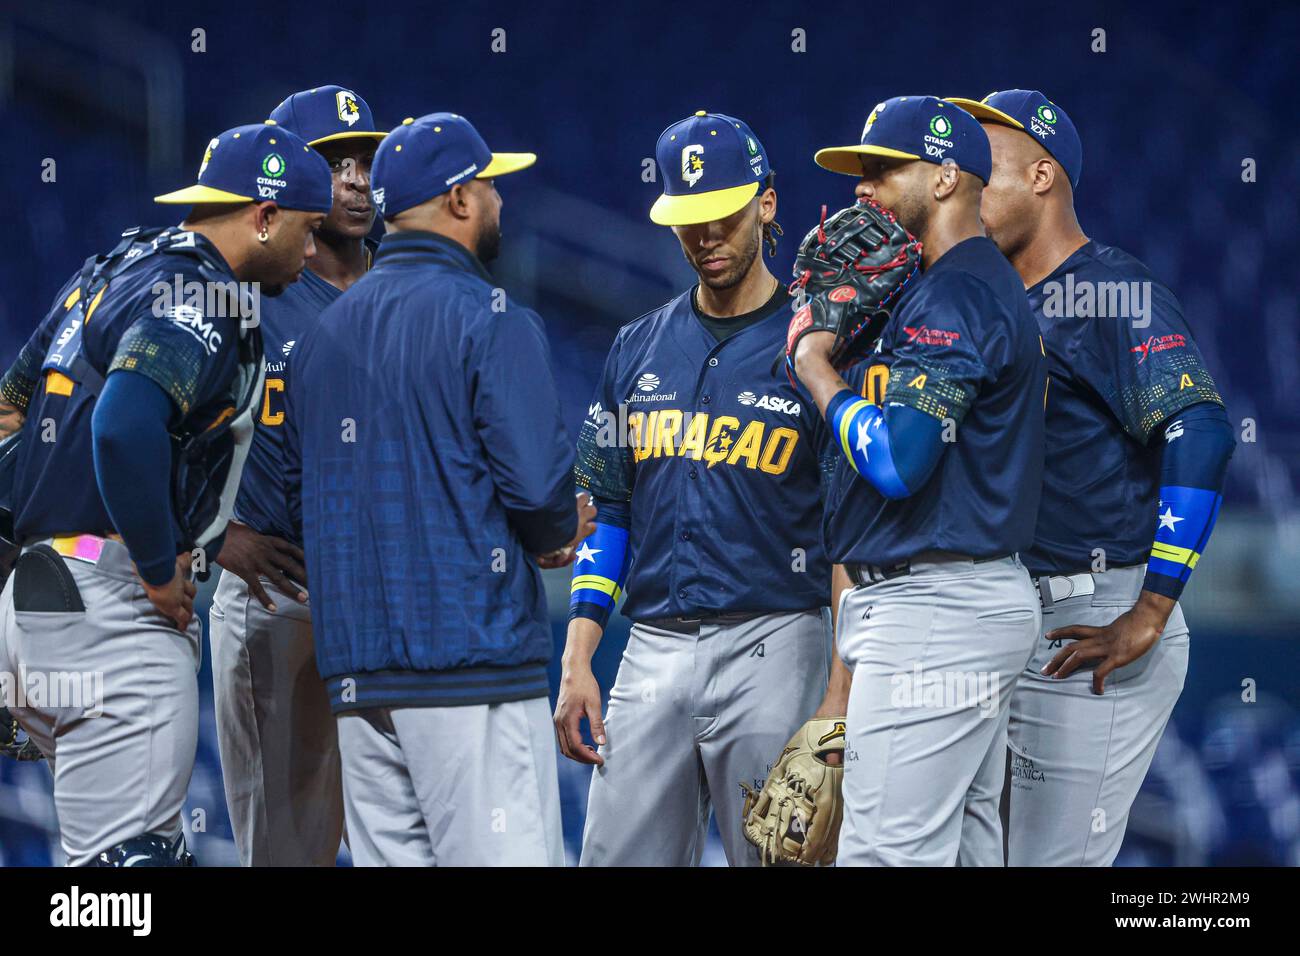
(206, 466)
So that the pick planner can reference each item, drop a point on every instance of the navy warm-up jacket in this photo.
(425, 428)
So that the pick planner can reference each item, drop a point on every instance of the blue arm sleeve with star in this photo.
(600, 567)
(1198, 443)
(895, 448)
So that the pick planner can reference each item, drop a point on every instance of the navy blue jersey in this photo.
(262, 503)
(721, 467)
(433, 461)
(188, 350)
(1122, 361)
(961, 346)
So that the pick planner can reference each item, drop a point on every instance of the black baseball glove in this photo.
(849, 271)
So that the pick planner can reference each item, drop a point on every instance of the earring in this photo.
(263, 235)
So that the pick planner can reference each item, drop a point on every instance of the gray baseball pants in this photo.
(934, 655)
(1077, 759)
(118, 721)
(452, 786)
(275, 731)
(695, 711)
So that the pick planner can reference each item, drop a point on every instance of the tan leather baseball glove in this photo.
(796, 817)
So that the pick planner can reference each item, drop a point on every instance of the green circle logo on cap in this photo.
(940, 126)
(1047, 114)
(753, 146)
(273, 165)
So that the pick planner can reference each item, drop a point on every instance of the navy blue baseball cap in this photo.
(712, 166)
(1035, 114)
(916, 127)
(425, 157)
(262, 163)
(325, 114)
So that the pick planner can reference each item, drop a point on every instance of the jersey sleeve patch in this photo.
(1161, 375)
(932, 386)
(173, 359)
(20, 381)
(604, 465)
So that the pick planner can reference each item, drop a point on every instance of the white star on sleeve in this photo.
(1169, 519)
(863, 439)
(588, 553)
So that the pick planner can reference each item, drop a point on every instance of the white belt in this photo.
(1063, 586)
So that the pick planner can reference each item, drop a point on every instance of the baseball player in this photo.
(275, 732)
(709, 501)
(934, 498)
(434, 464)
(139, 391)
(1138, 443)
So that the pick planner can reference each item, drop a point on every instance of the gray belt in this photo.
(1115, 583)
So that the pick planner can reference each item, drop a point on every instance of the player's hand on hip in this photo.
(1120, 642)
(579, 697)
(175, 599)
(253, 556)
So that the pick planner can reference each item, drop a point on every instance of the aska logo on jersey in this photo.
(1159, 343)
(769, 401)
(287, 347)
(925, 335)
(648, 382)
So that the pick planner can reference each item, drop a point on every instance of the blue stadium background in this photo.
(119, 98)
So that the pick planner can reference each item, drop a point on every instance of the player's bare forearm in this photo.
(836, 699)
(813, 367)
(580, 645)
(11, 419)
(579, 695)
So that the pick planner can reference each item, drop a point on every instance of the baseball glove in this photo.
(795, 818)
(14, 742)
(849, 271)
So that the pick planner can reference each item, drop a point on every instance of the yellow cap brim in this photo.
(985, 113)
(333, 137)
(503, 163)
(844, 159)
(688, 210)
(192, 195)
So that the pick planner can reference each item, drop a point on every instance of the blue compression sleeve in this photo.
(895, 448)
(600, 569)
(132, 453)
(1198, 444)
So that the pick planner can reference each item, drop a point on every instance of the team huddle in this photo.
(894, 538)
